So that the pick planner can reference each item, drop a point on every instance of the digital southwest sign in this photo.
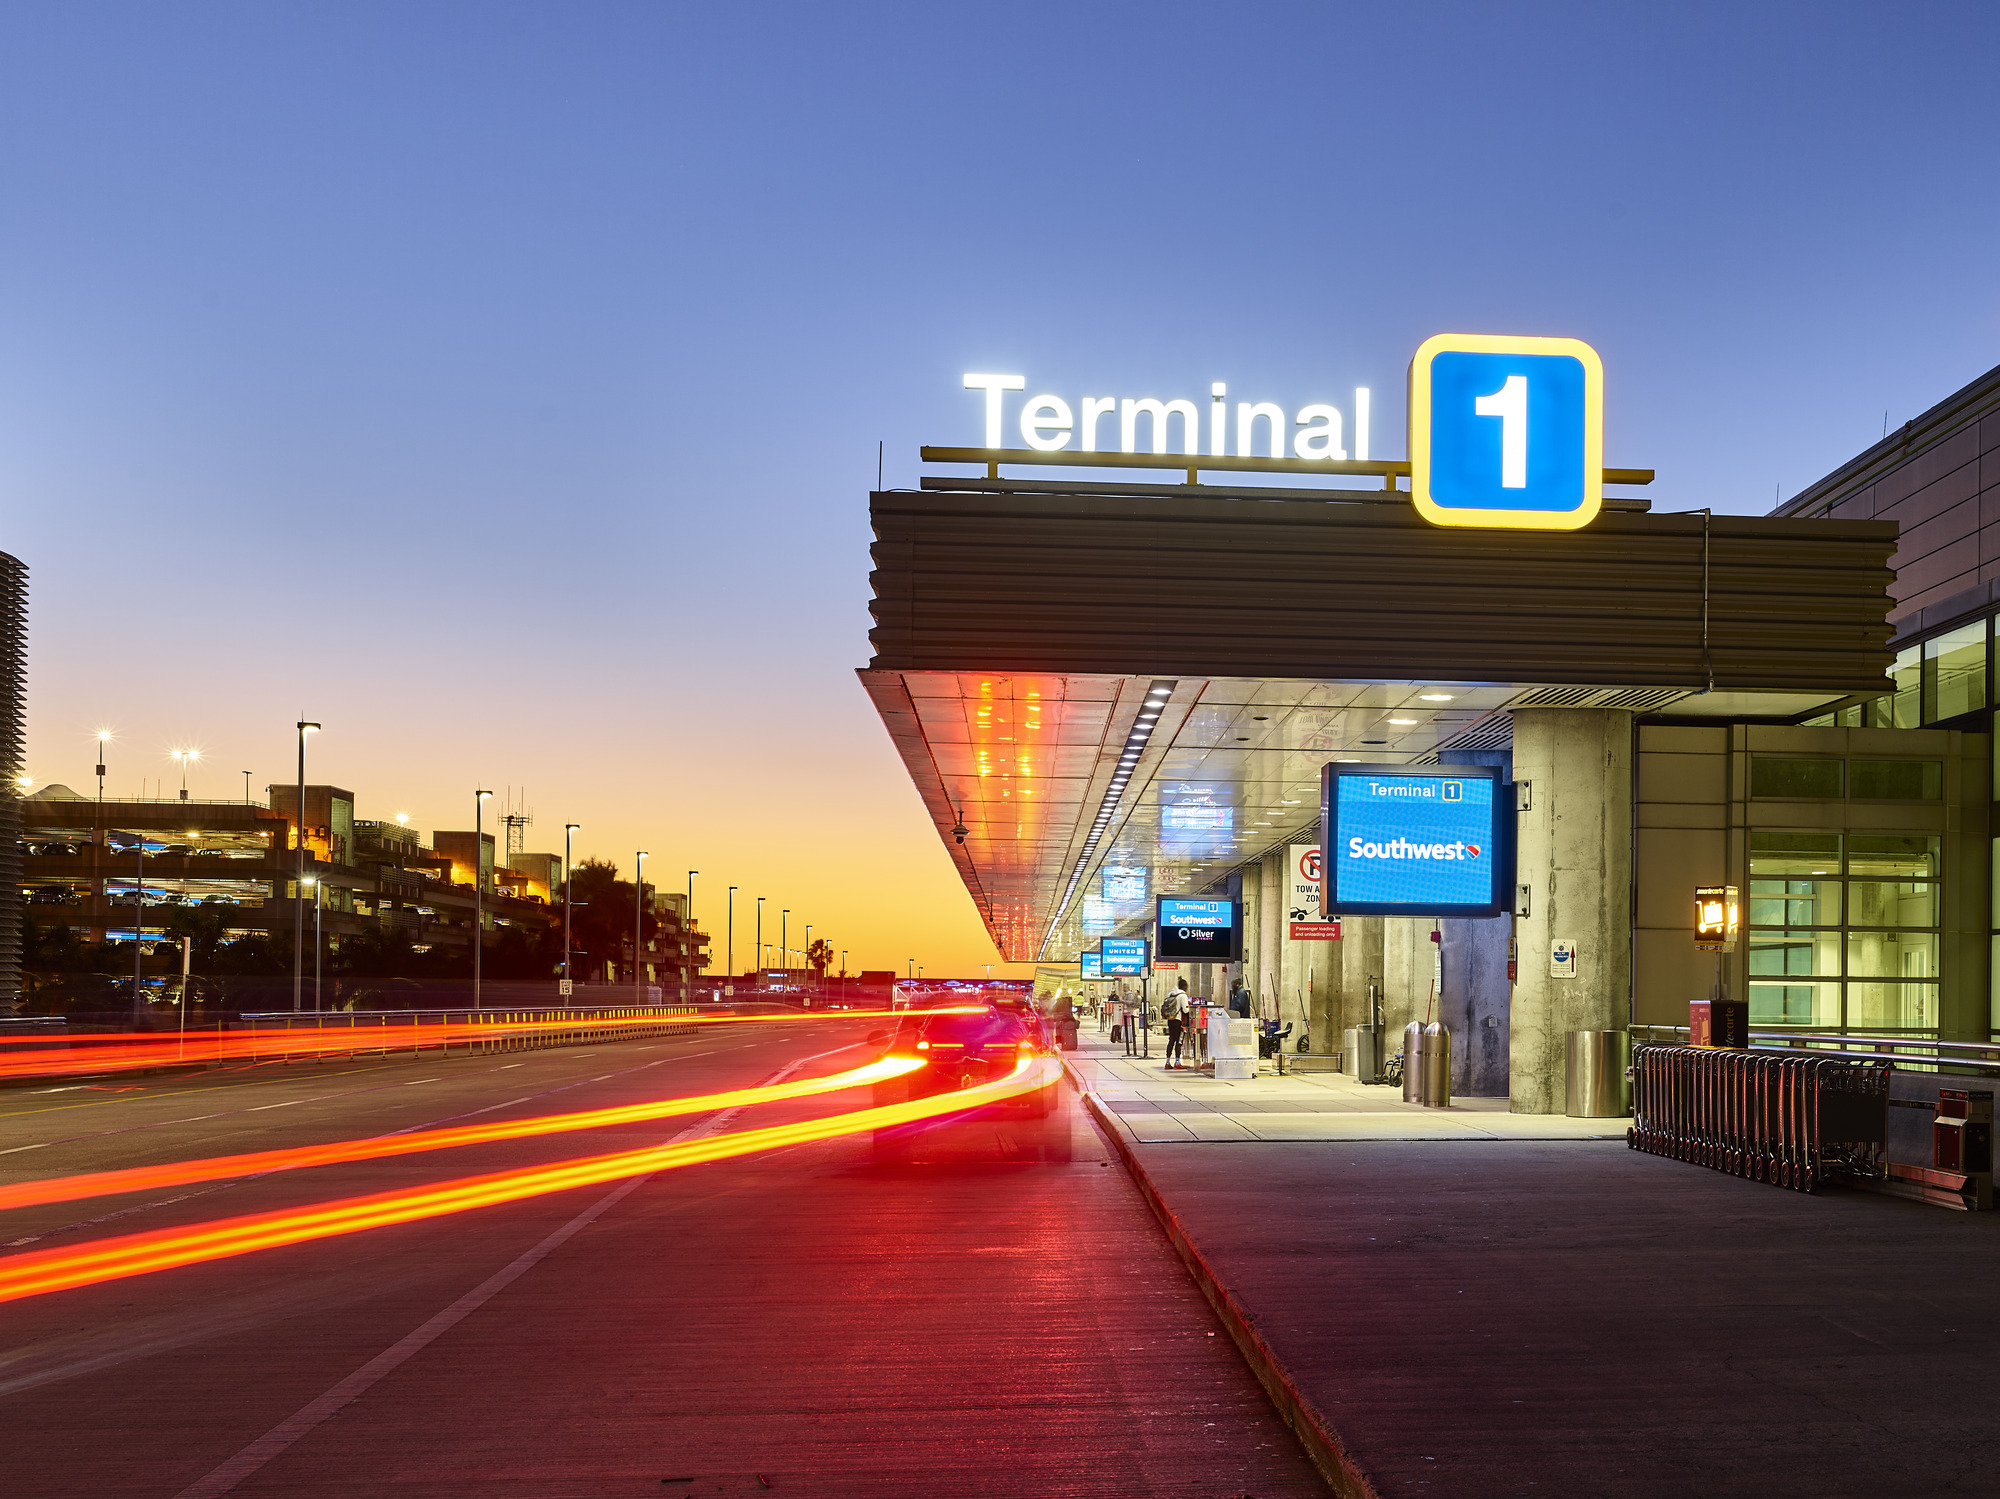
(1199, 931)
(1404, 840)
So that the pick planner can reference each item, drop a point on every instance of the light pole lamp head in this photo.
(307, 728)
(571, 827)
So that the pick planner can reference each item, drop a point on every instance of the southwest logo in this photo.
(1402, 848)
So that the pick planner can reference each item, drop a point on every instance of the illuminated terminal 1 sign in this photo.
(1050, 424)
(1413, 840)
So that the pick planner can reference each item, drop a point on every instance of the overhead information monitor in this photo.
(1124, 957)
(1413, 840)
(1507, 432)
(1200, 931)
(1093, 965)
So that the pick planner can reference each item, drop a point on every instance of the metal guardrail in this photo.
(507, 1030)
(1796, 1121)
(1969, 1056)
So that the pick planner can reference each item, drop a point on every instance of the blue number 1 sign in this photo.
(1507, 431)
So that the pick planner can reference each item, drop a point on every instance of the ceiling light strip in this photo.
(1114, 795)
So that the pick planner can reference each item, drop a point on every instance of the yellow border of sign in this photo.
(1420, 432)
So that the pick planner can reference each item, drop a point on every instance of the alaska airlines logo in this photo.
(1402, 848)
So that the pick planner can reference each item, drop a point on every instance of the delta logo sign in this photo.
(1411, 841)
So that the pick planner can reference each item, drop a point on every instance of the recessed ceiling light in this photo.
(1403, 722)
(1435, 697)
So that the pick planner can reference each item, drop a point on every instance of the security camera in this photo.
(958, 832)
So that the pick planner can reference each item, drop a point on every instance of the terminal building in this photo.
(1110, 691)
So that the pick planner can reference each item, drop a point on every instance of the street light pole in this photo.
(784, 945)
(478, 890)
(638, 924)
(569, 895)
(729, 968)
(687, 942)
(299, 887)
(760, 939)
(319, 947)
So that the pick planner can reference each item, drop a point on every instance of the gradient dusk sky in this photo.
(500, 384)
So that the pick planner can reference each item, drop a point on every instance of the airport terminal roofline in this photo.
(1018, 637)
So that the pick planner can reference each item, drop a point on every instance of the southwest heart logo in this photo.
(1474, 848)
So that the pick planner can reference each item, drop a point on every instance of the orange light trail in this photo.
(258, 1163)
(40, 1272)
(132, 1051)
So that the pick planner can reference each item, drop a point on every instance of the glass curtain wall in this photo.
(1843, 930)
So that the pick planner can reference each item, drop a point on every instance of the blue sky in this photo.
(501, 383)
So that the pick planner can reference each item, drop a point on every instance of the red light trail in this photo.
(131, 1051)
(40, 1272)
(257, 1163)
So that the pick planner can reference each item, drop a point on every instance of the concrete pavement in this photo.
(1494, 1316)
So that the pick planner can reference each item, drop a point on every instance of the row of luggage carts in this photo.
(1794, 1120)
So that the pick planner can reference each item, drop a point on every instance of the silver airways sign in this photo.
(1049, 424)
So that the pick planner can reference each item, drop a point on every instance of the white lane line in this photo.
(279, 1438)
(274, 1442)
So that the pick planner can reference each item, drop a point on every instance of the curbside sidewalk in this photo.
(1322, 1444)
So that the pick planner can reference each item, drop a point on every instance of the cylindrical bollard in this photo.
(1437, 1065)
(1413, 1062)
(1597, 1086)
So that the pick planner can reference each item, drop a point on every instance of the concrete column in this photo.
(1360, 966)
(1253, 932)
(1270, 935)
(1575, 854)
(1406, 975)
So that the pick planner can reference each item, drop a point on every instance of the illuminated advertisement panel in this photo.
(1200, 931)
(1413, 840)
(1093, 964)
(1124, 957)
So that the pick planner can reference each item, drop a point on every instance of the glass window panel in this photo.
(1907, 705)
(1794, 1004)
(1896, 780)
(1795, 903)
(1913, 854)
(1892, 903)
(1850, 718)
(1873, 1007)
(1955, 672)
(1909, 955)
(1771, 776)
(1789, 953)
(1794, 853)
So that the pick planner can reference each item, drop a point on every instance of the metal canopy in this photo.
(1287, 633)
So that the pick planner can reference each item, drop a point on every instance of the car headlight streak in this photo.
(258, 1163)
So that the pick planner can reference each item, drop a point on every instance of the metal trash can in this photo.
(1436, 1090)
(1363, 1053)
(1413, 1062)
(1598, 1086)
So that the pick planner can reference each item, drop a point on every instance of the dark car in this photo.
(965, 1050)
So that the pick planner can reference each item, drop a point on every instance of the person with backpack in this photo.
(1174, 1010)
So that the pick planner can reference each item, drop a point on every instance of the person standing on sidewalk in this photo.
(1174, 1010)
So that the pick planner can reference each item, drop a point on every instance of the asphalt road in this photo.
(975, 1316)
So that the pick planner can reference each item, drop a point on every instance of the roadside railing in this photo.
(1796, 1121)
(444, 1033)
